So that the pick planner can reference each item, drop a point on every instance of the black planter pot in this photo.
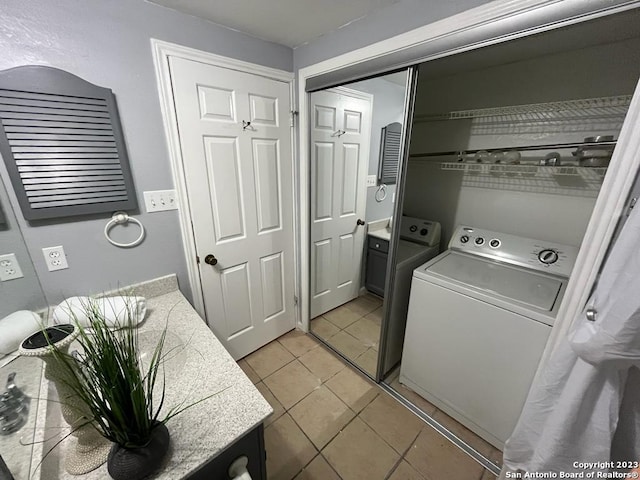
(138, 463)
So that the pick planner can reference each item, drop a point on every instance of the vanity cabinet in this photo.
(376, 274)
(250, 446)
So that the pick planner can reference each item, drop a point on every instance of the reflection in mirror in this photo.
(19, 376)
(3, 217)
(351, 211)
(23, 292)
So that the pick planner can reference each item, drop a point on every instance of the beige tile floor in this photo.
(330, 422)
(353, 329)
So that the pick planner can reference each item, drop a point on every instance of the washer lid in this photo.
(506, 281)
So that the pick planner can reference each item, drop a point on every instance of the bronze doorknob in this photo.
(360, 222)
(211, 260)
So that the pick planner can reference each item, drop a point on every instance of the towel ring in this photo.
(121, 218)
(381, 193)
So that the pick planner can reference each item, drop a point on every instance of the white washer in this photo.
(479, 318)
(419, 242)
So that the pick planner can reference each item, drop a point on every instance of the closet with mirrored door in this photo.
(356, 138)
(449, 203)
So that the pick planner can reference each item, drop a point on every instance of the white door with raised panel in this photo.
(340, 135)
(235, 137)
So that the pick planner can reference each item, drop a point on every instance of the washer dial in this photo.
(548, 256)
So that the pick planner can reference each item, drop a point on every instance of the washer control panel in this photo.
(420, 231)
(526, 252)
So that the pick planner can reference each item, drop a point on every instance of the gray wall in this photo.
(107, 42)
(385, 23)
(388, 107)
(440, 195)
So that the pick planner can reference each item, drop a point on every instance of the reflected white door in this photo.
(239, 182)
(340, 135)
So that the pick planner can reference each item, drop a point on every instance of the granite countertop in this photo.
(203, 367)
(16, 447)
(379, 229)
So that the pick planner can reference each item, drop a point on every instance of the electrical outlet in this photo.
(372, 180)
(160, 200)
(55, 258)
(9, 267)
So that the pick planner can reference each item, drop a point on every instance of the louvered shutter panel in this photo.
(62, 143)
(389, 153)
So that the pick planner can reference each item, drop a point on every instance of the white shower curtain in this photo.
(583, 410)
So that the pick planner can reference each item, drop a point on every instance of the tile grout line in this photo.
(355, 415)
(442, 430)
(279, 368)
(331, 466)
(378, 388)
(287, 411)
(403, 455)
(292, 353)
(306, 368)
(346, 359)
(318, 451)
(344, 330)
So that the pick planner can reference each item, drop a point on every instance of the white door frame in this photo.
(546, 15)
(161, 52)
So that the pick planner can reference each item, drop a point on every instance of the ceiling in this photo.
(609, 29)
(287, 22)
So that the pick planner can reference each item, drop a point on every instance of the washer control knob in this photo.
(479, 241)
(495, 243)
(424, 231)
(413, 228)
(464, 238)
(548, 256)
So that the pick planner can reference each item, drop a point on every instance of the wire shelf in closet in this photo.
(564, 125)
(592, 173)
(584, 108)
(561, 180)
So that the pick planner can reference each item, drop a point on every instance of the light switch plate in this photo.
(9, 267)
(160, 200)
(372, 180)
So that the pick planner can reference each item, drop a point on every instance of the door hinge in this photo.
(632, 204)
(295, 300)
(197, 259)
(292, 118)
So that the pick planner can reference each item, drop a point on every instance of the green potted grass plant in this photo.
(121, 396)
